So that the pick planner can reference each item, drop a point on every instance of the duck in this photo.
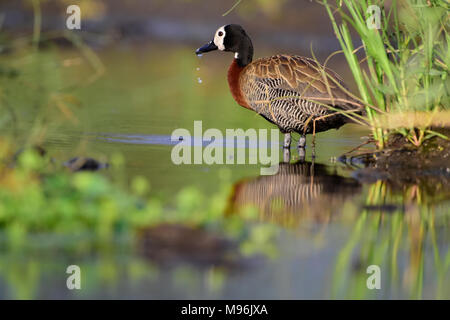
(295, 93)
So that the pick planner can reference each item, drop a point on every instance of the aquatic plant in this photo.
(384, 235)
(38, 196)
(401, 67)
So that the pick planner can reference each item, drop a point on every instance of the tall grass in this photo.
(404, 64)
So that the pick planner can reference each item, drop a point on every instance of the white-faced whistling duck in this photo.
(295, 93)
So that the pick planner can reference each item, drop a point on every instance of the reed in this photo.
(401, 67)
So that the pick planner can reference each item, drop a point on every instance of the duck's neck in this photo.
(234, 73)
(244, 53)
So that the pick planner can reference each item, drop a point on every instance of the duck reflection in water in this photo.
(299, 191)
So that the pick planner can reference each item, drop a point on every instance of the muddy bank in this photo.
(402, 164)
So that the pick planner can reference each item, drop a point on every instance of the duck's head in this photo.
(233, 38)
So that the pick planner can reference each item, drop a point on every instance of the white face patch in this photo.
(218, 38)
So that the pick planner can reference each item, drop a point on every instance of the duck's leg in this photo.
(287, 147)
(301, 147)
(313, 147)
(302, 142)
(313, 141)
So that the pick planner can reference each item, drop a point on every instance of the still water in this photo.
(332, 226)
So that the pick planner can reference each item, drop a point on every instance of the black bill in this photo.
(210, 46)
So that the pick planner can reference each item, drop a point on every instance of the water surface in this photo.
(332, 227)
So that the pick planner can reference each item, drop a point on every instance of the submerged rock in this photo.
(85, 164)
(171, 244)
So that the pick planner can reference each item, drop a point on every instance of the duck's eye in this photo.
(220, 33)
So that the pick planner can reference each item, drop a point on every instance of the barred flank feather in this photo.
(292, 91)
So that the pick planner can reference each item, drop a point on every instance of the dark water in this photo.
(331, 226)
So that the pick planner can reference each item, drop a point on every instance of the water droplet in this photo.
(199, 55)
(198, 69)
(199, 80)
